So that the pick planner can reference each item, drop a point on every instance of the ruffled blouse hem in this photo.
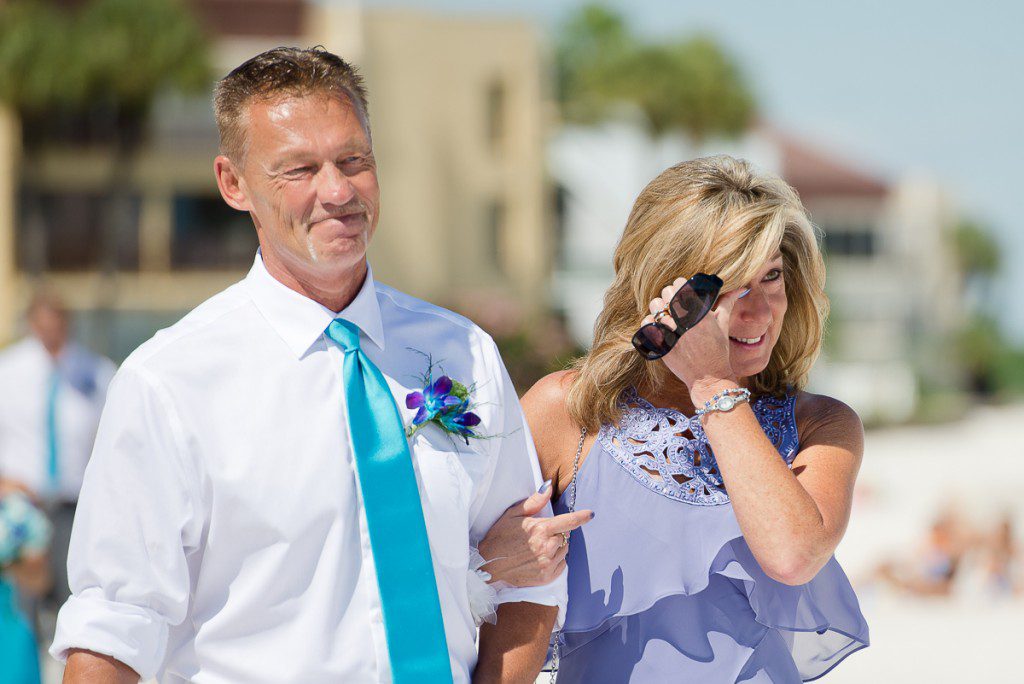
(821, 620)
(861, 645)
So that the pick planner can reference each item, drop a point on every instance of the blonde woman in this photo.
(720, 488)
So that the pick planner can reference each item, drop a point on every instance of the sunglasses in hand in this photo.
(688, 306)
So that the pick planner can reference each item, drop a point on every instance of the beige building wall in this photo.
(865, 291)
(10, 152)
(456, 111)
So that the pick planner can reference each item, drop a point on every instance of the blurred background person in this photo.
(1003, 560)
(957, 557)
(24, 537)
(51, 394)
(936, 566)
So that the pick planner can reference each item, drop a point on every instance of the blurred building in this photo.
(457, 112)
(892, 281)
(891, 277)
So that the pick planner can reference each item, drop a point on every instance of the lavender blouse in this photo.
(663, 587)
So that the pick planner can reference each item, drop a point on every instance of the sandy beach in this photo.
(909, 475)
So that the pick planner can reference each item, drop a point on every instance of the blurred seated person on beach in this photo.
(24, 536)
(1003, 560)
(51, 393)
(937, 564)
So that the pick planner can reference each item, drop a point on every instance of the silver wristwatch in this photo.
(725, 400)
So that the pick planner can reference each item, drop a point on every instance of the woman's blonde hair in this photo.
(711, 215)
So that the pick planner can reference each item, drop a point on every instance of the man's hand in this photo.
(86, 667)
(526, 551)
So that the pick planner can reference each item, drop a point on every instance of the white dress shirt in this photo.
(26, 369)
(220, 536)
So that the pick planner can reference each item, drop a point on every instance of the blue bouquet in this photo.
(23, 528)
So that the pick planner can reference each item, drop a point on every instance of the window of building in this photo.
(850, 241)
(208, 234)
(69, 231)
(183, 122)
(561, 211)
(117, 334)
(496, 234)
(496, 114)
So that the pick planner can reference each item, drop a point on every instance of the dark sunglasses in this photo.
(689, 305)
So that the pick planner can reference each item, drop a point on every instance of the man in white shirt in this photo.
(51, 393)
(223, 533)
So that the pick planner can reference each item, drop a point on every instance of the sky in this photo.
(899, 87)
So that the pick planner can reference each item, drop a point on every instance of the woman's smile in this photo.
(748, 342)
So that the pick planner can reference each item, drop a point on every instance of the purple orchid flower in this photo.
(436, 398)
(461, 421)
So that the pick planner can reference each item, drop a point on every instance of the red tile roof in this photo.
(241, 17)
(252, 17)
(814, 172)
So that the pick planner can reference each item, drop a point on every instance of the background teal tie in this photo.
(52, 440)
(398, 535)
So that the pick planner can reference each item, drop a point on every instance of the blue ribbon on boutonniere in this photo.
(445, 403)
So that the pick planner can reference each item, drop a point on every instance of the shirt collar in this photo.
(299, 320)
(38, 350)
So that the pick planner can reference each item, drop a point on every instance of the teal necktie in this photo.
(52, 441)
(398, 535)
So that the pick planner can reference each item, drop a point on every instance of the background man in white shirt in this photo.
(221, 535)
(51, 393)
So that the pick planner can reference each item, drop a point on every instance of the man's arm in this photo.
(513, 649)
(139, 516)
(522, 549)
(86, 667)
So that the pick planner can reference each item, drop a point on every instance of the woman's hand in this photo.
(8, 486)
(31, 573)
(527, 551)
(701, 356)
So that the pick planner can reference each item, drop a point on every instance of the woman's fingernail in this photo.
(745, 293)
(591, 515)
(544, 487)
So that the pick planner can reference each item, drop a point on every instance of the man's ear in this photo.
(229, 181)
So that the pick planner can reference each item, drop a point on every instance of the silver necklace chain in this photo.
(556, 647)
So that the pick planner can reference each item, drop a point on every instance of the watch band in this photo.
(724, 401)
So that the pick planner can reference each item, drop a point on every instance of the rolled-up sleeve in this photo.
(516, 475)
(136, 523)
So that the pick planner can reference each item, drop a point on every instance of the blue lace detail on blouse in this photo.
(668, 452)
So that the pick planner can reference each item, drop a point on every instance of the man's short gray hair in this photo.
(279, 73)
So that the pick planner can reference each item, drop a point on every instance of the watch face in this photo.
(726, 403)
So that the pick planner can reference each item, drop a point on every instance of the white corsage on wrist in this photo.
(483, 598)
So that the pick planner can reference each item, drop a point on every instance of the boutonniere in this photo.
(444, 402)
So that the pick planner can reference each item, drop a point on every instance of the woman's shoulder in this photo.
(823, 407)
(545, 405)
(552, 388)
(821, 416)
(555, 433)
